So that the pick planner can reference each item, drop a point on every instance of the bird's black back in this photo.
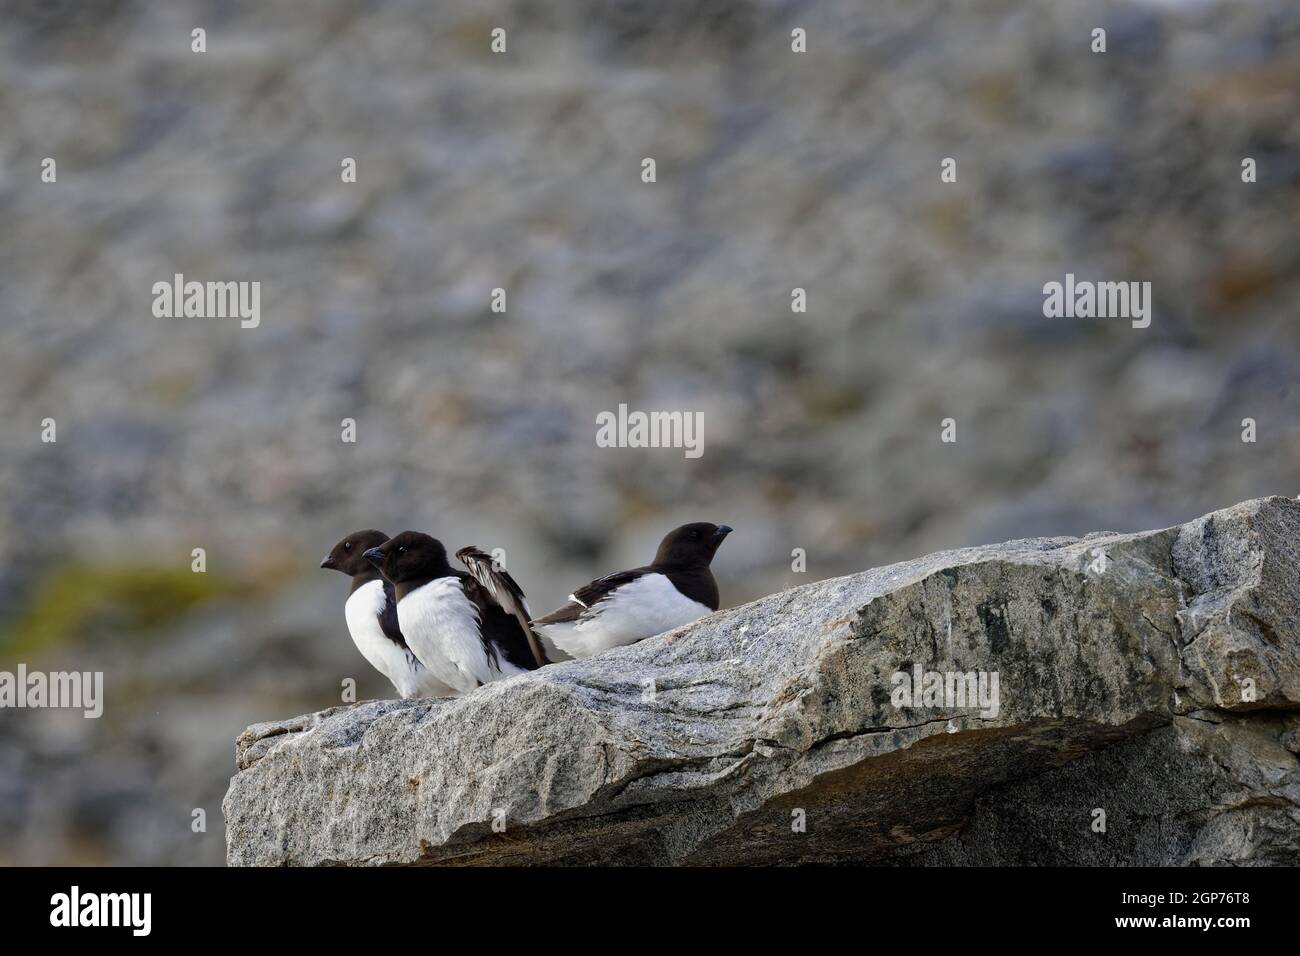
(696, 583)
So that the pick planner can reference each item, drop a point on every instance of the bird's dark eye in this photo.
(347, 545)
(401, 551)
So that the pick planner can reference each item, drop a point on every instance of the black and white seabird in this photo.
(467, 629)
(371, 613)
(627, 606)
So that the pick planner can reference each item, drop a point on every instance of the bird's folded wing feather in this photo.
(503, 589)
(585, 602)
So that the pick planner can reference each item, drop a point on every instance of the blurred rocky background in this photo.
(775, 170)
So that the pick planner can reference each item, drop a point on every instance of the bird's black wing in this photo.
(507, 595)
(496, 579)
(588, 597)
(388, 617)
(501, 632)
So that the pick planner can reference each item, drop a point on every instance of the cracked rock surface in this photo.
(1147, 682)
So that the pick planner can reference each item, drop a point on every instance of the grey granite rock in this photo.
(1149, 676)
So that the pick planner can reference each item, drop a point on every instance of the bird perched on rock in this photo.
(467, 629)
(621, 608)
(371, 613)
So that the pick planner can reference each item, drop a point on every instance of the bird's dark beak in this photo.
(722, 532)
(374, 556)
(328, 562)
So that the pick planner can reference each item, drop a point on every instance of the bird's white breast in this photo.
(642, 608)
(401, 667)
(441, 625)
